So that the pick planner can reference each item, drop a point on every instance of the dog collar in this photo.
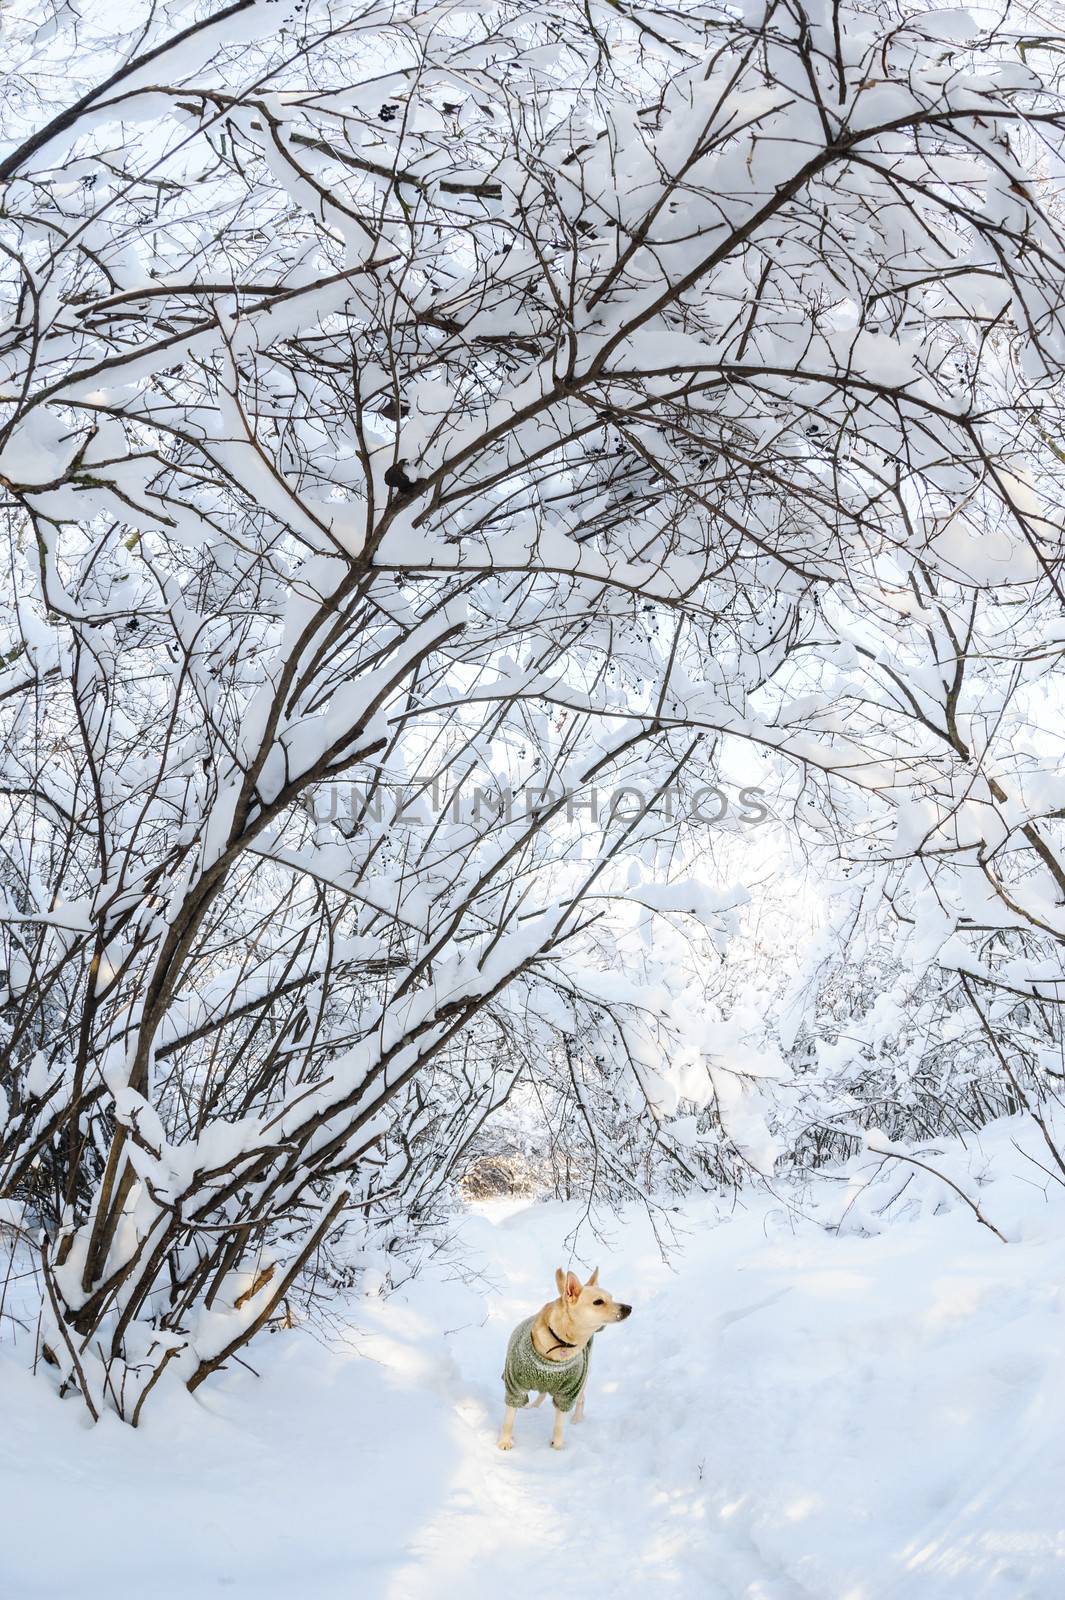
(559, 1344)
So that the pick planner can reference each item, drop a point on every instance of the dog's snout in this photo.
(625, 1311)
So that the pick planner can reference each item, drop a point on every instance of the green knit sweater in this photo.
(525, 1369)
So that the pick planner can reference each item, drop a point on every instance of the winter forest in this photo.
(532, 720)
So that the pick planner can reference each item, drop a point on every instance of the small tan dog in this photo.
(549, 1354)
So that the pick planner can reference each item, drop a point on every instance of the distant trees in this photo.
(442, 404)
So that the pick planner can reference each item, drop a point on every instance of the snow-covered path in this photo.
(787, 1415)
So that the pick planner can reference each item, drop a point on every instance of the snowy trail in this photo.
(787, 1415)
(615, 1490)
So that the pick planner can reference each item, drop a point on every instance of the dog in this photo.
(549, 1353)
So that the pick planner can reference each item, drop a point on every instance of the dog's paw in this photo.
(505, 1444)
(557, 1444)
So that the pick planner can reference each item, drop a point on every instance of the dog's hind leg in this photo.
(540, 1398)
(578, 1410)
(506, 1432)
(556, 1436)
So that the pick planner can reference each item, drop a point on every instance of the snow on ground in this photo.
(789, 1414)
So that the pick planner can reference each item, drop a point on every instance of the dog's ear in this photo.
(593, 1280)
(573, 1286)
(560, 1280)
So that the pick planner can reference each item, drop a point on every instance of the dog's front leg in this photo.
(556, 1436)
(578, 1410)
(506, 1432)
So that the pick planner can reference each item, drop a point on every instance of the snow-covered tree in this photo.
(420, 422)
